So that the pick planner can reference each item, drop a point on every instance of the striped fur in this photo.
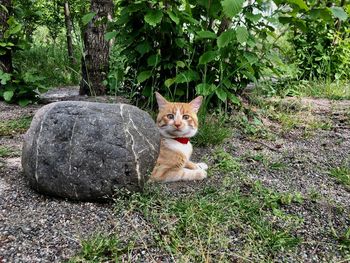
(177, 120)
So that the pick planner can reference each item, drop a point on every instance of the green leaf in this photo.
(147, 91)
(87, 18)
(6, 44)
(153, 60)
(206, 34)
(24, 102)
(321, 13)
(15, 29)
(143, 48)
(153, 17)
(4, 77)
(299, 3)
(232, 7)
(225, 38)
(285, 19)
(144, 75)
(8, 95)
(222, 95)
(180, 42)
(173, 17)
(169, 82)
(110, 35)
(180, 64)
(339, 13)
(186, 76)
(251, 57)
(4, 8)
(205, 89)
(253, 17)
(242, 34)
(207, 57)
(233, 98)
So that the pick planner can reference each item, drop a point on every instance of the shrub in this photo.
(212, 48)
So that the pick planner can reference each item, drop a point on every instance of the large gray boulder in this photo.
(85, 150)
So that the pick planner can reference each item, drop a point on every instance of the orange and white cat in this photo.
(177, 122)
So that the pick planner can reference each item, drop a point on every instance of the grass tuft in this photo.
(338, 90)
(211, 132)
(16, 126)
(8, 152)
(342, 175)
(100, 248)
(215, 224)
(225, 162)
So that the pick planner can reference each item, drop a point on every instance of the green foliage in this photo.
(17, 126)
(192, 47)
(212, 131)
(99, 248)
(15, 86)
(22, 89)
(8, 152)
(48, 61)
(225, 162)
(342, 175)
(320, 39)
(337, 90)
(214, 224)
(251, 125)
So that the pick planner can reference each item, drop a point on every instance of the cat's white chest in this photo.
(174, 145)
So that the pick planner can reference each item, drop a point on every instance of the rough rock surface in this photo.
(84, 150)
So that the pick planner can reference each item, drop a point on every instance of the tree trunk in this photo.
(69, 29)
(95, 62)
(6, 58)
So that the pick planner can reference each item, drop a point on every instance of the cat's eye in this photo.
(185, 117)
(170, 116)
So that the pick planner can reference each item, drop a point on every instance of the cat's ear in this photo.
(196, 103)
(161, 100)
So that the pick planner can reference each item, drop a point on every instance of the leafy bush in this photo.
(23, 89)
(319, 34)
(212, 48)
(14, 86)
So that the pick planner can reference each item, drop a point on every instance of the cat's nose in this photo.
(177, 125)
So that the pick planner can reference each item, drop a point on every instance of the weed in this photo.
(276, 165)
(100, 248)
(211, 225)
(211, 131)
(8, 152)
(337, 90)
(288, 121)
(252, 126)
(342, 175)
(320, 125)
(225, 162)
(333, 91)
(49, 60)
(314, 195)
(343, 239)
(257, 158)
(16, 126)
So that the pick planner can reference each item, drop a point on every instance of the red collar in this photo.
(182, 140)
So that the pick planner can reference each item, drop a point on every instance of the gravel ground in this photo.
(35, 228)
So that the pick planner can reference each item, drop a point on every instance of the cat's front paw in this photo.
(202, 166)
(200, 174)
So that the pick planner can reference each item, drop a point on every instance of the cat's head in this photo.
(177, 119)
